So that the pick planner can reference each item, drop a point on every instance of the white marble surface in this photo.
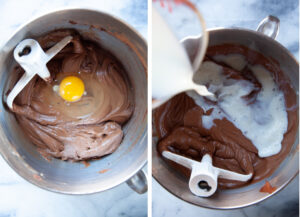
(246, 14)
(283, 204)
(238, 13)
(18, 198)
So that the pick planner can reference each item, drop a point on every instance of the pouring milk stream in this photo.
(172, 71)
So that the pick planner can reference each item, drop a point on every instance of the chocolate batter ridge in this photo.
(179, 127)
(89, 128)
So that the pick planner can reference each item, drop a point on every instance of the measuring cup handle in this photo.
(138, 182)
(269, 26)
(202, 44)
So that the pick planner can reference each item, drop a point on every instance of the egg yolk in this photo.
(71, 88)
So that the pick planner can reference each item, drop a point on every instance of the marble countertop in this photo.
(21, 199)
(245, 14)
(18, 198)
(283, 204)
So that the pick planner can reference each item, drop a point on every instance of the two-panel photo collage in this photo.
(149, 108)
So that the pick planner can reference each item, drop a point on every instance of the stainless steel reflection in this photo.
(67, 177)
(237, 198)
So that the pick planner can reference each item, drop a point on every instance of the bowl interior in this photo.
(69, 177)
(241, 197)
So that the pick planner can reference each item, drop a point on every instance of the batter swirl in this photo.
(90, 127)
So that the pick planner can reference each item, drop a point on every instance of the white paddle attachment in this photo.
(204, 177)
(33, 60)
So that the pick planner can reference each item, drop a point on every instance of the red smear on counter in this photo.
(86, 163)
(267, 188)
(103, 171)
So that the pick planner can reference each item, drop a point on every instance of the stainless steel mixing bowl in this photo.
(67, 177)
(262, 41)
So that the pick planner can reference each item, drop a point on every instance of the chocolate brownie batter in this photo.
(179, 126)
(90, 127)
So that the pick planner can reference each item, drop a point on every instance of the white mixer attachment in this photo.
(204, 177)
(33, 60)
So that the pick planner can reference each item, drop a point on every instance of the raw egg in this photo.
(71, 88)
